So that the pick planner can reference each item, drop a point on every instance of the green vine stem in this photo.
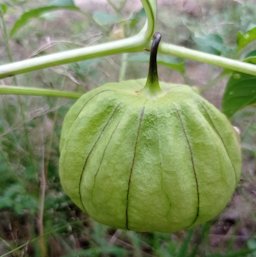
(194, 55)
(18, 90)
(132, 44)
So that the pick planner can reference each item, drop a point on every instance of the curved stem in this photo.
(152, 84)
(198, 56)
(131, 44)
(13, 90)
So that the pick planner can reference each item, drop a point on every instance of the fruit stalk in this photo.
(152, 84)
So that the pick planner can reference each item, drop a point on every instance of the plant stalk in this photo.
(152, 84)
(131, 44)
(198, 56)
(17, 90)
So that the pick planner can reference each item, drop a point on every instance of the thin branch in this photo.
(131, 44)
(194, 55)
(17, 90)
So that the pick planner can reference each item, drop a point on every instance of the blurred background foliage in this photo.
(36, 217)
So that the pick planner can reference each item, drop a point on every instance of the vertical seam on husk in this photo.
(220, 137)
(193, 167)
(132, 167)
(84, 105)
(103, 154)
(90, 152)
(97, 94)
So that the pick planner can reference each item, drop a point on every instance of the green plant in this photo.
(138, 155)
(133, 44)
(29, 141)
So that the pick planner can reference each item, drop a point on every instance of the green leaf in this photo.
(3, 8)
(244, 39)
(171, 63)
(239, 93)
(252, 58)
(104, 19)
(16, 198)
(62, 3)
(36, 13)
(136, 18)
(240, 90)
(167, 61)
(211, 43)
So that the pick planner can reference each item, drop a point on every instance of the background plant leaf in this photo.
(62, 3)
(244, 39)
(251, 58)
(3, 8)
(210, 43)
(37, 12)
(240, 92)
(136, 17)
(104, 18)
